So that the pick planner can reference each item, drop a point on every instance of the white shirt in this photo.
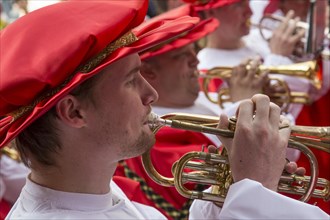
(201, 106)
(37, 202)
(12, 178)
(254, 47)
(246, 199)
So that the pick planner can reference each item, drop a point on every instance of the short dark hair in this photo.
(40, 140)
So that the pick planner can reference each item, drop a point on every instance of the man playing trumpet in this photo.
(171, 69)
(231, 43)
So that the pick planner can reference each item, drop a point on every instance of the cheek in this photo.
(184, 67)
(115, 109)
(178, 64)
(129, 107)
(123, 112)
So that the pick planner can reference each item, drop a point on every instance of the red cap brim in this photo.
(197, 32)
(202, 5)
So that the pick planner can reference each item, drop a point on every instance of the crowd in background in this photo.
(10, 10)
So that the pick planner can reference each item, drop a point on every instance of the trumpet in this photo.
(315, 29)
(269, 22)
(308, 70)
(215, 170)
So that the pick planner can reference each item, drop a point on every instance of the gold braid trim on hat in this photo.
(123, 41)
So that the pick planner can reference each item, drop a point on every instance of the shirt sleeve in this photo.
(248, 199)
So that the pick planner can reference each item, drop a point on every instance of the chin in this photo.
(144, 143)
(195, 95)
(246, 31)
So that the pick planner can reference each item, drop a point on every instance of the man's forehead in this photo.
(181, 49)
(125, 65)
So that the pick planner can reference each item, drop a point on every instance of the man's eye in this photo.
(132, 81)
(180, 55)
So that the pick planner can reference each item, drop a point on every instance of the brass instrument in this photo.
(314, 27)
(308, 70)
(10, 152)
(215, 170)
(268, 22)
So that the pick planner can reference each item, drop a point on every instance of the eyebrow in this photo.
(133, 71)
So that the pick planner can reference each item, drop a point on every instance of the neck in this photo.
(223, 41)
(73, 175)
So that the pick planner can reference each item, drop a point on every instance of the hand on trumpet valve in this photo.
(258, 148)
(273, 86)
(246, 81)
(292, 168)
(299, 50)
(278, 91)
(286, 36)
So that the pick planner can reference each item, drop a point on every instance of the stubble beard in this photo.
(144, 143)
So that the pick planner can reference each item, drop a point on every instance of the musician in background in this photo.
(13, 9)
(320, 38)
(230, 44)
(85, 106)
(235, 18)
(282, 7)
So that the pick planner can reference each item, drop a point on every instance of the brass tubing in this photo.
(317, 137)
(215, 170)
(307, 70)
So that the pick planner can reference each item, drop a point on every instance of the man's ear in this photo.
(70, 111)
(148, 71)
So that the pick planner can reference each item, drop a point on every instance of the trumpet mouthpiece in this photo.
(155, 121)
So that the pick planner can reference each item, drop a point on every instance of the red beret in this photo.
(200, 30)
(202, 5)
(48, 52)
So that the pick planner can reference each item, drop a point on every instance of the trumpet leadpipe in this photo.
(317, 137)
(156, 121)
